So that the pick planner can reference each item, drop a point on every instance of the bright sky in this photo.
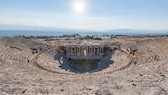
(85, 14)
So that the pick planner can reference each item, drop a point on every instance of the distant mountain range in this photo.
(11, 30)
(81, 32)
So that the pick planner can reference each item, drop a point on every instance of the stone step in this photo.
(13, 53)
(20, 57)
(10, 54)
(4, 53)
(2, 49)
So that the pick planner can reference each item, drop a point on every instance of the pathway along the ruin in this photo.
(131, 60)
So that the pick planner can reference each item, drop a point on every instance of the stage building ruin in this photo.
(84, 57)
(84, 51)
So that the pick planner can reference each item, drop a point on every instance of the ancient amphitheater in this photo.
(120, 66)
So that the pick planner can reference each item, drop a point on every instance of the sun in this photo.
(79, 7)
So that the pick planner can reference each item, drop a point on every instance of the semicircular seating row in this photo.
(153, 52)
(15, 54)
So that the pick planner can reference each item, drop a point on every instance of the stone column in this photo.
(93, 50)
(90, 50)
(83, 50)
(67, 50)
(80, 50)
(102, 50)
(86, 47)
(72, 50)
(98, 50)
(76, 50)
